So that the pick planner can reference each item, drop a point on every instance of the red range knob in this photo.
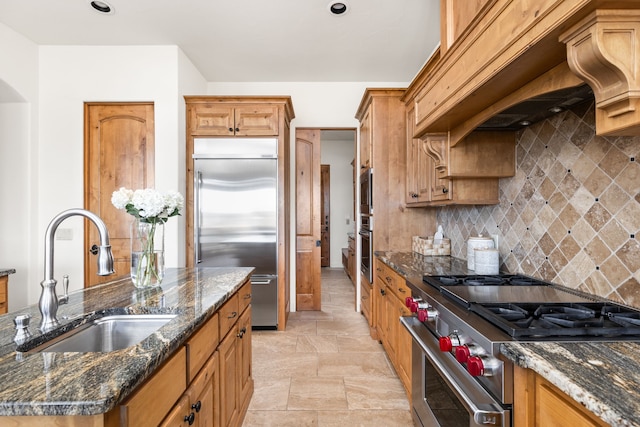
(422, 315)
(462, 353)
(475, 366)
(408, 301)
(445, 344)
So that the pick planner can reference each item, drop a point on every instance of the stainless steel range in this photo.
(459, 376)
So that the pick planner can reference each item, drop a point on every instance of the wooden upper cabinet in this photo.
(229, 120)
(481, 155)
(366, 137)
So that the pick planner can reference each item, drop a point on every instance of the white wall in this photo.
(338, 155)
(18, 161)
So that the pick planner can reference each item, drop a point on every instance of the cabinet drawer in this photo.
(201, 346)
(244, 297)
(393, 280)
(149, 405)
(228, 314)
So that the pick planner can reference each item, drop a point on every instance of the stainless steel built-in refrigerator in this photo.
(236, 209)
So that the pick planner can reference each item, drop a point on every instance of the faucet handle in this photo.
(65, 289)
(22, 328)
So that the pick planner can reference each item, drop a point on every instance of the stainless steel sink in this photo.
(107, 334)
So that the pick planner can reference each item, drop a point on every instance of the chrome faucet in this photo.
(49, 301)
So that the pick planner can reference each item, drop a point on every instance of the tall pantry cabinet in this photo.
(383, 147)
(245, 116)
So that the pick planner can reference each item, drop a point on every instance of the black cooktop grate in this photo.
(535, 321)
(482, 280)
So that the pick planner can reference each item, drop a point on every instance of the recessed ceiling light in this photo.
(338, 8)
(101, 6)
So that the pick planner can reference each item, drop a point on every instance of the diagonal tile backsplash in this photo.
(571, 213)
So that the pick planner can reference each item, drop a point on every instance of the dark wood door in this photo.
(325, 217)
(307, 154)
(119, 152)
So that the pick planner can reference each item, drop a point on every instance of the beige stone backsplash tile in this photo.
(614, 198)
(597, 182)
(629, 178)
(614, 162)
(629, 217)
(614, 235)
(614, 270)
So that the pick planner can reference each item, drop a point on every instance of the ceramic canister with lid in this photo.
(477, 242)
(486, 261)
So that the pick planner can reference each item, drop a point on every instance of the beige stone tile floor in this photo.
(325, 370)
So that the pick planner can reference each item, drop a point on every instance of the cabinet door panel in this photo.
(179, 415)
(147, 407)
(228, 352)
(244, 357)
(256, 120)
(201, 346)
(215, 120)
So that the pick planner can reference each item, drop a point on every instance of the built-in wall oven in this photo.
(366, 245)
(366, 192)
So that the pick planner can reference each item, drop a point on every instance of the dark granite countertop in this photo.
(6, 271)
(602, 376)
(48, 383)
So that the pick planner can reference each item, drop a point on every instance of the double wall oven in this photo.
(459, 376)
(366, 224)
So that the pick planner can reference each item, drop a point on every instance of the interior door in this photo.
(119, 152)
(308, 296)
(325, 208)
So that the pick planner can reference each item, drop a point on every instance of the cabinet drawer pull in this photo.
(247, 296)
(197, 406)
(190, 418)
(233, 314)
(401, 290)
(230, 129)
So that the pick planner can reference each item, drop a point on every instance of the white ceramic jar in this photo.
(486, 261)
(477, 242)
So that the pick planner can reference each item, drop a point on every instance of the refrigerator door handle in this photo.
(198, 186)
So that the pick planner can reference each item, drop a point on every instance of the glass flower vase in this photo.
(147, 253)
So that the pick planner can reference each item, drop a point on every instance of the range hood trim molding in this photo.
(449, 99)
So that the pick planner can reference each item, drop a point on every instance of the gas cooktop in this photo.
(527, 308)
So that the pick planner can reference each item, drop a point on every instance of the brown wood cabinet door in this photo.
(214, 120)
(119, 152)
(308, 295)
(366, 138)
(256, 120)
(244, 358)
(229, 408)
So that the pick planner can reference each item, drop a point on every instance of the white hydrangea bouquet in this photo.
(151, 210)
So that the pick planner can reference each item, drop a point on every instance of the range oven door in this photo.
(443, 393)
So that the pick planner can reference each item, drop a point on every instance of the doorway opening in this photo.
(324, 206)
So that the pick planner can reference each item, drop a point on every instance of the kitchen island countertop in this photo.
(48, 383)
(602, 376)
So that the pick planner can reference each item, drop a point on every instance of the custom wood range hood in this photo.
(516, 51)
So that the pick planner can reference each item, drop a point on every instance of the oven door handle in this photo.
(487, 411)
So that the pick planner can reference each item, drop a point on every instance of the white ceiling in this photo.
(250, 40)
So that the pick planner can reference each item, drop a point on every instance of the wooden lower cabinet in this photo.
(4, 294)
(389, 293)
(365, 301)
(235, 372)
(541, 404)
